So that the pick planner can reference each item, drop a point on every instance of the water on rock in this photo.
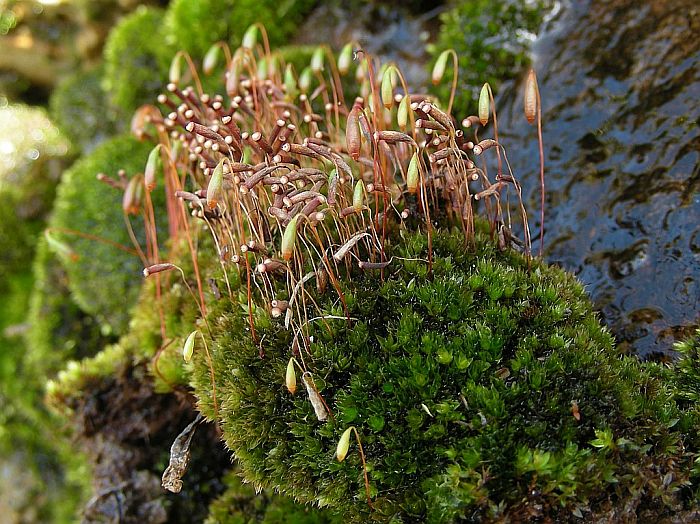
(620, 85)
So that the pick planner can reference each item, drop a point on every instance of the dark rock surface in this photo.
(127, 429)
(620, 86)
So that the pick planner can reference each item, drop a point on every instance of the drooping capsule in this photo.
(250, 38)
(317, 60)
(439, 67)
(133, 195)
(413, 175)
(152, 164)
(388, 80)
(290, 378)
(353, 136)
(211, 59)
(60, 248)
(345, 59)
(188, 348)
(403, 112)
(314, 397)
(261, 73)
(215, 187)
(531, 92)
(290, 82)
(343, 445)
(484, 105)
(358, 196)
(175, 71)
(305, 79)
(289, 238)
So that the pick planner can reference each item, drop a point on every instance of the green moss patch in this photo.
(482, 391)
(103, 279)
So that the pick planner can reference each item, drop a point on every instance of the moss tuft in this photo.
(194, 25)
(240, 504)
(136, 59)
(79, 107)
(103, 279)
(57, 328)
(484, 392)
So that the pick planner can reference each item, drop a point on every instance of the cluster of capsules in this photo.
(307, 184)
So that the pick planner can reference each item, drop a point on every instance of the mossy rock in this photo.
(79, 107)
(147, 341)
(137, 59)
(104, 280)
(483, 391)
(241, 504)
(492, 41)
(58, 329)
(194, 25)
(42, 479)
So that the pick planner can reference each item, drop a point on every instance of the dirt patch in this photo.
(126, 428)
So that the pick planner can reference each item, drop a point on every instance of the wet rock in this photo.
(620, 85)
(387, 32)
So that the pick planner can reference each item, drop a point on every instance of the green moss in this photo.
(688, 369)
(57, 328)
(103, 280)
(492, 41)
(240, 504)
(462, 386)
(79, 107)
(194, 25)
(137, 59)
(44, 477)
(147, 340)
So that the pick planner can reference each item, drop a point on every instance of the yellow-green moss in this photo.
(79, 107)
(241, 504)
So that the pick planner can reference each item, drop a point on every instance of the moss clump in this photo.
(492, 41)
(136, 59)
(240, 504)
(482, 392)
(58, 328)
(195, 24)
(103, 279)
(79, 107)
